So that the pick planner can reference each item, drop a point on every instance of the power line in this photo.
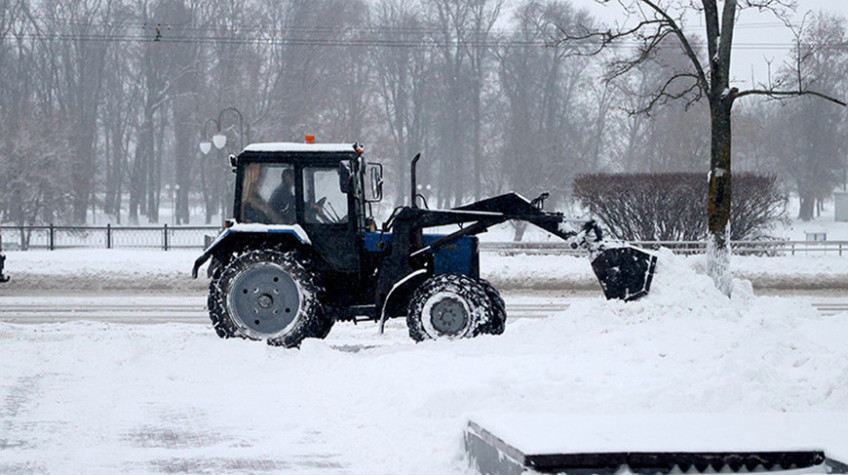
(342, 40)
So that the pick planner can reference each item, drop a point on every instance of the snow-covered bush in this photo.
(672, 206)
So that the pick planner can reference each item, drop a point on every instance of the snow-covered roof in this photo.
(299, 147)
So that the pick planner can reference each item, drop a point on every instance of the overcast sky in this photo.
(760, 37)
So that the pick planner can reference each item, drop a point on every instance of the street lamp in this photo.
(205, 144)
(220, 140)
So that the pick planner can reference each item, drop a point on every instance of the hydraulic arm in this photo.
(623, 271)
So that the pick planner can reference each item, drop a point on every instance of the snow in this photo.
(705, 433)
(88, 397)
(300, 147)
(265, 228)
(155, 269)
(797, 230)
(102, 262)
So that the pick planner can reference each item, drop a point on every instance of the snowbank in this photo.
(87, 397)
(94, 269)
(87, 269)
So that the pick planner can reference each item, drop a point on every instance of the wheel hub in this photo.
(263, 300)
(449, 316)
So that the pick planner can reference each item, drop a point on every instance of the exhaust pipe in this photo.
(412, 191)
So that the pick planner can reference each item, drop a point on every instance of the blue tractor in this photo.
(302, 252)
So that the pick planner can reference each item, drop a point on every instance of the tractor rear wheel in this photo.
(449, 306)
(267, 295)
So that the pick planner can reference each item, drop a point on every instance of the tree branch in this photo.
(779, 94)
(687, 47)
(721, 75)
(664, 95)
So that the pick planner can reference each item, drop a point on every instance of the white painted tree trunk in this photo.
(718, 263)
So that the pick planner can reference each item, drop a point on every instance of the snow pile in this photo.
(84, 397)
(72, 269)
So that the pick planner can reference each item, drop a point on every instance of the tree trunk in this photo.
(808, 199)
(182, 162)
(138, 180)
(718, 210)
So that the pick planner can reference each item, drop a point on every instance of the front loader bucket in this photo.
(625, 273)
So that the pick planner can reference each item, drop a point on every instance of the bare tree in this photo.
(402, 79)
(650, 22)
(548, 129)
(811, 148)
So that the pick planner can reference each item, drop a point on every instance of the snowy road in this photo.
(191, 308)
(175, 309)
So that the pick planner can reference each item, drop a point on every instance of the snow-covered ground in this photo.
(106, 398)
(797, 230)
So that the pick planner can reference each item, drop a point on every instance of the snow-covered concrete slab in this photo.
(538, 433)
(504, 442)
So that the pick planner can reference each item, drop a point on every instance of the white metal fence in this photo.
(106, 237)
(759, 248)
(192, 237)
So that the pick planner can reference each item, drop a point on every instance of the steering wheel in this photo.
(318, 210)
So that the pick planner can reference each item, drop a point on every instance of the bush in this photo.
(672, 206)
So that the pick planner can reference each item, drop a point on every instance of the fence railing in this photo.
(193, 237)
(759, 248)
(106, 237)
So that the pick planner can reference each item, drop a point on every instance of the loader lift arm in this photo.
(623, 271)
(493, 211)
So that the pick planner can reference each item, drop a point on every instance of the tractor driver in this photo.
(283, 200)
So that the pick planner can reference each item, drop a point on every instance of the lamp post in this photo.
(219, 141)
(173, 191)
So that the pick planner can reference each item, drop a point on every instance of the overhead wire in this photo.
(328, 36)
(341, 40)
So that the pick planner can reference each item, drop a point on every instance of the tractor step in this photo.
(515, 444)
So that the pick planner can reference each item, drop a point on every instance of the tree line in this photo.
(103, 103)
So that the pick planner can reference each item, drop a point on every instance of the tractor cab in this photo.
(321, 188)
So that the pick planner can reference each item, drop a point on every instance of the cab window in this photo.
(268, 194)
(323, 199)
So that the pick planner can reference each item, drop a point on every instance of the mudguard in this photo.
(240, 230)
(402, 288)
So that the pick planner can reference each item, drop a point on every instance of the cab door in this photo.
(327, 218)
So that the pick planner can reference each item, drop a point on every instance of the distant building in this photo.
(840, 205)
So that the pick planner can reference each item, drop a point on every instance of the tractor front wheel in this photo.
(267, 295)
(451, 306)
(497, 324)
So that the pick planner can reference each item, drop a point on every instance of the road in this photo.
(182, 308)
